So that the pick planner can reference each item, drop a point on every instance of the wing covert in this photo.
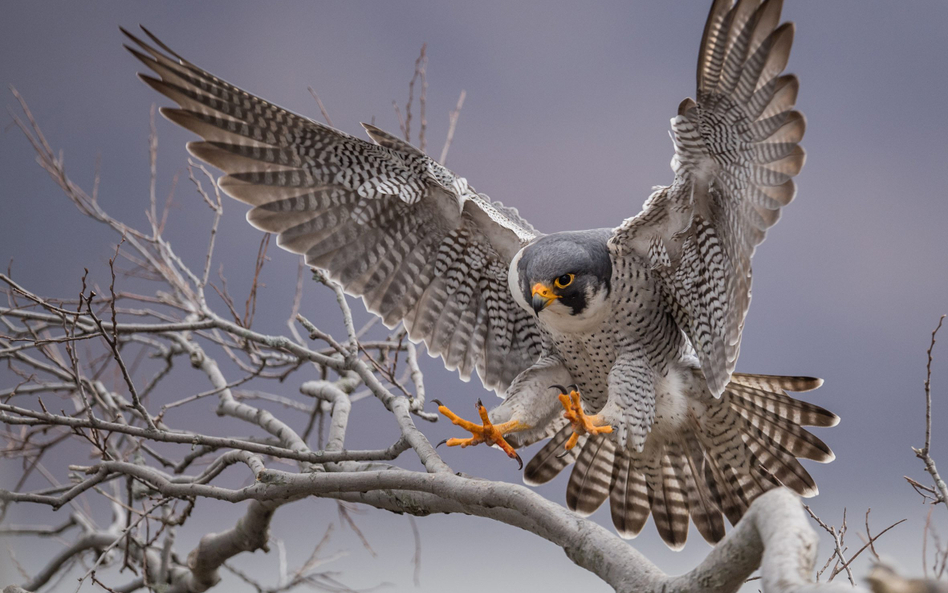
(385, 221)
(736, 152)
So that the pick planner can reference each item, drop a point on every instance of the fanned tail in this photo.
(731, 451)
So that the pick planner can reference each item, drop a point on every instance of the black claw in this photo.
(563, 454)
(559, 387)
(437, 402)
(520, 461)
(574, 387)
(478, 405)
(441, 443)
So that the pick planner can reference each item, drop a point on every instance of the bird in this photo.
(618, 345)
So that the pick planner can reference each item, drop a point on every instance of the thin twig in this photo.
(322, 108)
(250, 307)
(452, 124)
(416, 559)
(923, 453)
(839, 547)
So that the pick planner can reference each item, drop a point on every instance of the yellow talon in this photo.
(486, 432)
(582, 424)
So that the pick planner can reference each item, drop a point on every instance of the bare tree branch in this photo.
(940, 492)
(322, 108)
(452, 124)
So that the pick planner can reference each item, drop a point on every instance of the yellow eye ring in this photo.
(564, 280)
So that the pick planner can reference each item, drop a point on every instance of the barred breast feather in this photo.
(385, 221)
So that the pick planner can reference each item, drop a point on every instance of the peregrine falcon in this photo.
(633, 331)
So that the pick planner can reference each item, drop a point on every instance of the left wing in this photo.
(736, 151)
(386, 222)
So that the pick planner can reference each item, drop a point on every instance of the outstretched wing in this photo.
(385, 221)
(736, 151)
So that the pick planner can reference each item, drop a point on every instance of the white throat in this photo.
(559, 318)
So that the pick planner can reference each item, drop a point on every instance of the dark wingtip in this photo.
(143, 58)
(161, 44)
(131, 37)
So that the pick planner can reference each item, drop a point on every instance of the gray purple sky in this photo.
(566, 117)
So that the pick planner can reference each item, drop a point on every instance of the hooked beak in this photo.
(542, 297)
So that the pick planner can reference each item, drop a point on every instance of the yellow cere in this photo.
(544, 291)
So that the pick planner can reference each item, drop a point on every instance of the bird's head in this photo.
(564, 279)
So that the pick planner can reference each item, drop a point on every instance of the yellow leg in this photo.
(486, 432)
(582, 424)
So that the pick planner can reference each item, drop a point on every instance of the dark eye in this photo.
(564, 280)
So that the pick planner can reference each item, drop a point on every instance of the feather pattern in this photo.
(651, 332)
(590, 481)
(736, 152)
(628, 495)
(552, 458)
(717, 457)
(384, 220)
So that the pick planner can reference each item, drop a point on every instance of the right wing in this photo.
(385, 221)
(736, 152)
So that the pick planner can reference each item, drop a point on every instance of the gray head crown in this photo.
(569, 267)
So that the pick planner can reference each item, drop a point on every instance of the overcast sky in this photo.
(566, 117)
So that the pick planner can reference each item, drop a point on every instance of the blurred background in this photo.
(566, 117)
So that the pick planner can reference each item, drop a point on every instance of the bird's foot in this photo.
(486, 432)
(582, 424)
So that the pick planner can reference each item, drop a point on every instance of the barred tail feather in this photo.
(552, 458)
(591, 479)
(783, 433)
(703, 501)
(669, 502)
(782, 465)
(628, 495)
(777, 402)
(732, 504)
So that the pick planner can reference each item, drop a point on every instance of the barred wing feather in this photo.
(385, 221)
(736, 152)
